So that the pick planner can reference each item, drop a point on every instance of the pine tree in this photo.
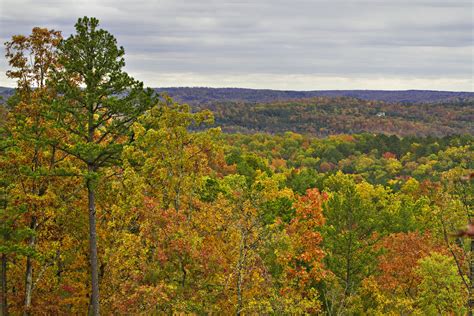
(98, 104)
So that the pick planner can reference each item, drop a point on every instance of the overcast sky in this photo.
(277, 44)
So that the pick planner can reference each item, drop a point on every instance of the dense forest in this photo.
(196, 96)
(115, 199)
(329, 116)
(202, 96)
(323, 116)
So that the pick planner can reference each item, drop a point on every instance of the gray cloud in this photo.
(285, 44)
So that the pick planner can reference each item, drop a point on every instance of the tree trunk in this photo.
(4, 309)
(93, 247)
(471, 277)
(29, 271)
(240, 273)
(348, 277)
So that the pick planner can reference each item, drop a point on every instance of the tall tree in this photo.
(302, 261)
(355, 216)
(98, 104)
(31, 58)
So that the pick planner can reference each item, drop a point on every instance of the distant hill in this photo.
(210, 95)
(5, 93)
(322, 113)
(323, 116)
(197, 96)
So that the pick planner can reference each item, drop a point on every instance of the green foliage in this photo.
(440, 289)
(98, 101)
(354, 217)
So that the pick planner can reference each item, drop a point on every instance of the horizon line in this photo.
(293, 90)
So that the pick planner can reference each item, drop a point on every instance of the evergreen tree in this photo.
(98, 104)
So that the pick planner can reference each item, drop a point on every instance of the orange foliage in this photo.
(404, 250)
(303, 263)
(389, 155)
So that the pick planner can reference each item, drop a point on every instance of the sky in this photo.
(273, 44)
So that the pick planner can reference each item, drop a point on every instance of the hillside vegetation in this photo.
(201, 96)
(332, 112)
(326, 116)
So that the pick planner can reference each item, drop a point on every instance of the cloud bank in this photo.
(279, 44)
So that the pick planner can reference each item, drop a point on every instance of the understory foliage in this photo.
(193, 221)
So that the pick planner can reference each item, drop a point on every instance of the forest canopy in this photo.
(116, 199)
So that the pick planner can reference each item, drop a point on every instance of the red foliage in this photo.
(389, 155)
(404, 250)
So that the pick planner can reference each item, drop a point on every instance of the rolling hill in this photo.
(210, 95)
(322, 113)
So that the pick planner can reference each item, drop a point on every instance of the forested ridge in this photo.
(203, 95)
(328, 116)
(323, 113)
(115, 199)
(323, 116)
